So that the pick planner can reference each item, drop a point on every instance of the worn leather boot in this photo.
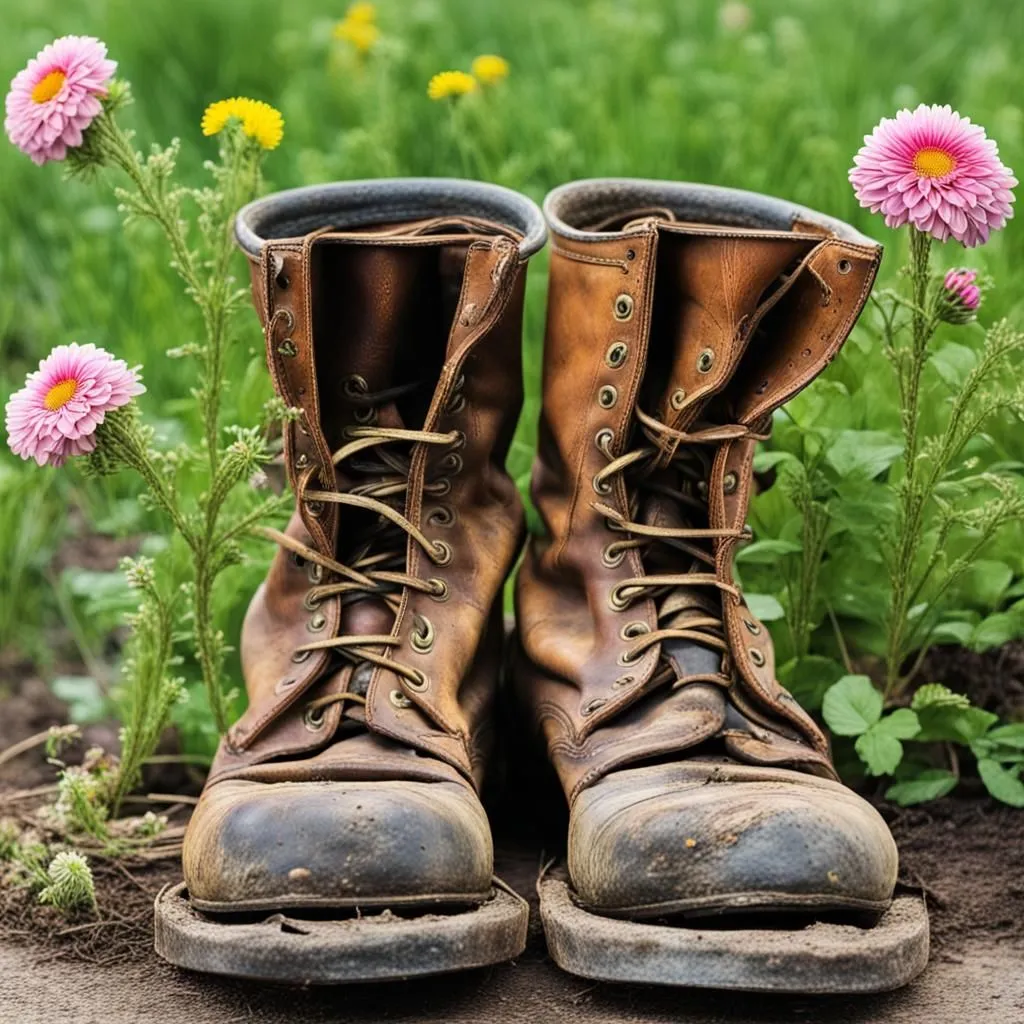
(680, 318)
(347, 794)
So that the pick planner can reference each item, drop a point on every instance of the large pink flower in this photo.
(934, 169)
(62, 403)
(55, 98)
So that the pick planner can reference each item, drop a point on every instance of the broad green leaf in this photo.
(984, 584)
(880, 752)
(958, 633)
(1004, 785)
(863, 453)
(936, 695)
(929, 785)
(765, 607)
(809, 677)
(851, 706)
(767, 552)
(953, 363)
(901, 724)
(995, 631)
(953, 724)
(1008, 735)
(766, 461)
(83, 696)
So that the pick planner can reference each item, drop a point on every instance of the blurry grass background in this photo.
(597, 87)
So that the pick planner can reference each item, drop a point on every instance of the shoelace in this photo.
(677, 619)
(377, 557)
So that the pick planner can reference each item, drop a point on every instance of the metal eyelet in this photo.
(592, 705)
(607, 396)
(313, 719)
(844, 266)
(623, 307)
(626, 658)
(284, 684)
(300, 656)
(310, 603)
(616, 354)
(355, 385)
(756, 657)
(420, 684)
(287, 348)
(631, 630)
(442, 553)
(281, 279)
(612, 560)
(706, 360)
(678, 399)
(315, 508)
(365, 416)
(603, 440)
(631, 254)
(441, 487)
(457, 404)
(730, 482)
(399, 700)
(421, 639)
(441, 516)
(752, 626)
(301, 460)
(317, 623)
(623, 681)
(460, 439)
(602, 486)
(452, 462)
(316, 572)
(438, 588)
(298, 561)
(617, 602)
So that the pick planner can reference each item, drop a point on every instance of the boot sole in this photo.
(377, 947)
(820, 958)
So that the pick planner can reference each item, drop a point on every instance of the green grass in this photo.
(636, 87)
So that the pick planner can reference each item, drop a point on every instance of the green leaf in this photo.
(984, 584)
(863, 453)
(767, 552)
(851, 706)
(901, 724)
(83, 696)
(953, 363)
(765, 607)
(767, 461)
(880, 752)
(1008, 735)
(1004, 785)
(936, 695)
(953, 724)
(809, 677)
(995, 631)
(929, 785)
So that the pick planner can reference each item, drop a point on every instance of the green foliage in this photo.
(70, 885)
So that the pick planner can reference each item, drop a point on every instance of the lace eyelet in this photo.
(602, 486)
(457, 404)
(399, 700)
(752, 626)
(627, 658)
(452, 463)
(844, 266)
(287, 349)
(623, 681)
(592, 705)
(730, 482)
(678, 399)
(623, 307)
(616, 354)
(612, 560)
(607, 396)
(301, 460)
(460, 440)
(420, 684)
(441, 516)
(438, 588)
(365, 416)
(317, 623)
(316, 572)
(284, 684)
(300, 656)
(422, 637)
(706, 360)
(313, 719)
(617, 602)
(315, 508)
(355, 386)
(756, 657)
(603, 441)
(298, 561)
(631, 630)
(441, 487)
(442, 553)
(310, 602)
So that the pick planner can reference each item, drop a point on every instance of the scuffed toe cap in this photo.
(290, 844)
(701, 838)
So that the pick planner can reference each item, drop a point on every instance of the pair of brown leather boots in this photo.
(341, 834)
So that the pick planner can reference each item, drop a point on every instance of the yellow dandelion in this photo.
(490, 68)
(260, 121)
(360, 34)
(361, 13)
(447, 84)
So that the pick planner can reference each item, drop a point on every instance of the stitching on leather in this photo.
(584, 258)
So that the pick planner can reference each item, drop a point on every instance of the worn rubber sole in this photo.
(820, 958)
(376, 947)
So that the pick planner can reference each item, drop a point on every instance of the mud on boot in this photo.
(340, 836)
(710, 842)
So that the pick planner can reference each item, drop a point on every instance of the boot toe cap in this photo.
(705, 838)
(285, 844)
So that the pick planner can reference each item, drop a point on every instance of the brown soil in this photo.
(993, 680)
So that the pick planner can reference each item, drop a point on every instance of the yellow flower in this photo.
(361, 34)
(260, 121)
(361, 13)
(489, 68)
(446, 84)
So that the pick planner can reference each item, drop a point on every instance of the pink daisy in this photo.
(934, 169)
(62, 403)
(55, 98)
(961, 289)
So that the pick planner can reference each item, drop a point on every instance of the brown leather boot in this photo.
(680, 318)
(349, 788)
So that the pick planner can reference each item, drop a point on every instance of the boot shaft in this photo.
(392, 315)
(680, 317)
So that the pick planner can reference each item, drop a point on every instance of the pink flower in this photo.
(934, 169)
(961, 289)
(55, 98)
(62, 403)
